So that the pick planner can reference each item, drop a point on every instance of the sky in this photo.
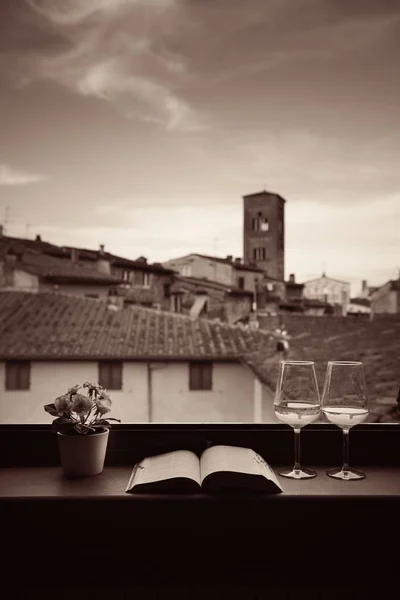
(140, 124)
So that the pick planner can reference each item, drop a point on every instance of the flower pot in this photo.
(82, 455)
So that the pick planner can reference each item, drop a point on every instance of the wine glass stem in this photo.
(297, 466)
(345, 450)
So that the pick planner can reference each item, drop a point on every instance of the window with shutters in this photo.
(110, 374)
(18, 375)
(200, 375)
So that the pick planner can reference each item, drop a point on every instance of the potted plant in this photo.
(82, 428)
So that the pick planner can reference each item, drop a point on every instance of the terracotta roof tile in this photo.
(56, 326)
(375, 343)
(59, 269)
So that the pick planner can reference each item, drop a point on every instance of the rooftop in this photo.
(38, 246)
(55, 269)
(264, 193)
(325, 278)
(49, 326)
(375, 343)
(226, 261)
(207, 283)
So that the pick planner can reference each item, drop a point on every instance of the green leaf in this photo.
(51, 409)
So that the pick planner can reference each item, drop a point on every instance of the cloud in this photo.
(116, 53)
(11, 176)
(304, 164)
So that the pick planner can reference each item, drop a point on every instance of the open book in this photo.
(219, 469)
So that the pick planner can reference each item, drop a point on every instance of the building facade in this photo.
(386, 299)
(157, 366)
(330, 291)
(202, 266)
(204, 298)
(264, 232)
(154, 391)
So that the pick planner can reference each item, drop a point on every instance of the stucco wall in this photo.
(203, 267)
(384, 300)
(25, 281)
(230, 400)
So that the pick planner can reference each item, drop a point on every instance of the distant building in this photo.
(210, 299)
(386, 298)
(330, 291)
(264, 232)
(366, 290)
(234, 273)
(359, 306)
(213, 268)
(38, 266)
(28, 271)
(294, 297)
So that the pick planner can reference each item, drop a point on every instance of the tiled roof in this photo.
(326, 279)
(61, 269)
(246, 267)
(207, 283)
(262, 193)
(375, 343)
(225, 261)
(56, 326)
(361, 301)
(119, 261)
(20, 245)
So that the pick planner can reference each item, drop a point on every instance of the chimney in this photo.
(74, 255)
(101, 251)
(364, 286)
(142, 259)
(238, 261)
(229, 258)
(1, 230)
(38, 238)
(292, 278)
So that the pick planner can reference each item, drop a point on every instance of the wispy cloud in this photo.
(116, 53)
(11, 176)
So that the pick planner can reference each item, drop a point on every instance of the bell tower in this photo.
(264, 232)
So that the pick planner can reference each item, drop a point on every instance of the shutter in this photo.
(206, 371)
(194, 376)
(24, 375)
(104, 374)
(11, 376)
(116, 376)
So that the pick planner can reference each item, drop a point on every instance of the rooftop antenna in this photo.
(323, 269)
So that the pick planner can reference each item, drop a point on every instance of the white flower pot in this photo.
(82, 455)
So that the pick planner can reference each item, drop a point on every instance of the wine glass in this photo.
(297, 403)
(345, 403)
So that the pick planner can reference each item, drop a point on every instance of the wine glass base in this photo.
(297, 473)
(349, 475)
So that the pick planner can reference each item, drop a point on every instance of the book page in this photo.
(236, 460)
(171, 465)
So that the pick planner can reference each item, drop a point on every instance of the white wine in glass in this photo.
(297, 403)
(345, 404)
